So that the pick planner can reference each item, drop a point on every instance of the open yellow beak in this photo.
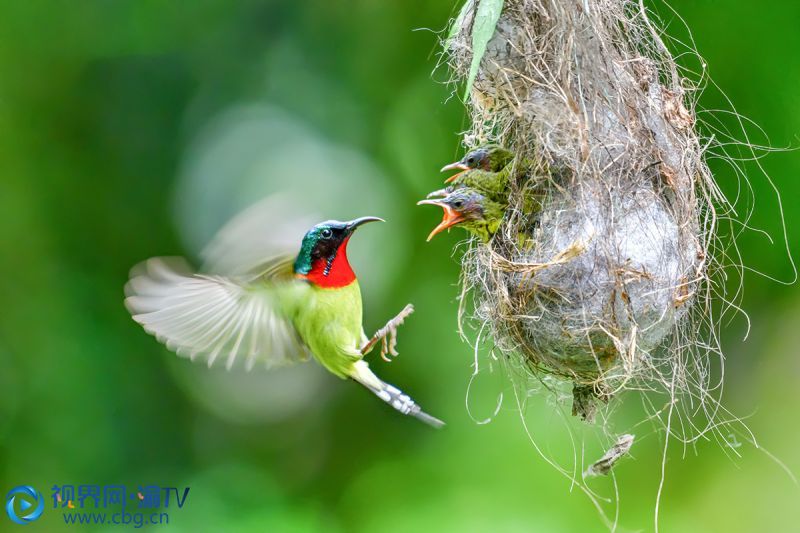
(456, 175)
(458, 165)
(449, 219)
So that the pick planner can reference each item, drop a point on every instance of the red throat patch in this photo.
(332, 274)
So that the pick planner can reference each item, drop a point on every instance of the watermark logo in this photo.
(27, 501)
(145, 505)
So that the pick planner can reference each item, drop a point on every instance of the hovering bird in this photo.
(293, 308)
(490, 157)
(469, 209)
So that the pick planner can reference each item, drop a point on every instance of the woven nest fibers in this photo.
(603, 253)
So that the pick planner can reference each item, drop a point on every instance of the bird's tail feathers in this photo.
(392, 395)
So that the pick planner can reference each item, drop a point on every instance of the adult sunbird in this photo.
(293, 308)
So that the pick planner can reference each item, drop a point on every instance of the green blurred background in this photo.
(130, 129)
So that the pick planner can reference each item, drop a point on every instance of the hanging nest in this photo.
(601, 258)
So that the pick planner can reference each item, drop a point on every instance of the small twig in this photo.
(388, 335)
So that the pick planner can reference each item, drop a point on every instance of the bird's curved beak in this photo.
(355, 223)
(450, 217)
(458, 165)
(456, 175)
(441, 193)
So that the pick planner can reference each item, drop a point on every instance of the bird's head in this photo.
(323, 253)
(491, 157)
(460, 206)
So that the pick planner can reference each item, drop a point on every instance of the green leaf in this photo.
(486, 18)
(458, 22)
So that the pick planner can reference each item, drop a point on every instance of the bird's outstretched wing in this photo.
(272, 227)
(214, 316)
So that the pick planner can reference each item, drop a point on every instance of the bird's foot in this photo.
(387, 335)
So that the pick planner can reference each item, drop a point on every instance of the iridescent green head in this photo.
(323, 253)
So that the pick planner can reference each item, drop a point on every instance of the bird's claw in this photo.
(388, 336)
(386, 350)
(389, 342)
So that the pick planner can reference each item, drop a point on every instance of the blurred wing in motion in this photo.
(269, 228)
(215, 316)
